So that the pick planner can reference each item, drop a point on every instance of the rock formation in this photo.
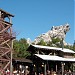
(55, 32)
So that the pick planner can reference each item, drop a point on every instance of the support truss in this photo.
(5, 40)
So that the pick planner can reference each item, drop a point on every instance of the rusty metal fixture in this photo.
(6, 38)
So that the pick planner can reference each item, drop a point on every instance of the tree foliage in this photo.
(55, 40)
(20, 48)
(54, 43)
(74, 46)
(42, 43)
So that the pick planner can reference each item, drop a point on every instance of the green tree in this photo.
(15, 48)
(42, 43)
(74, 46)
(20, 48)
(55, 40)
(69, 47)
(49, 43)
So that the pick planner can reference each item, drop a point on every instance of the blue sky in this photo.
(34, 17)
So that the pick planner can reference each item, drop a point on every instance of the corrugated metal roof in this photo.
(54, 48)
(54, 58)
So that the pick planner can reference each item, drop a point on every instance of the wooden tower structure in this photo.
(6, 38)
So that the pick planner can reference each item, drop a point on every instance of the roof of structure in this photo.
(54, 58)
(22, 60)
(6, 12)
(54, 48)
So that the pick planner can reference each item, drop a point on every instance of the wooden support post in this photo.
(45, 69)
(62, 44)
(62, 68)
(11, 64)
(72, 67)
(11, 71)
(56, 67)
(0, 14)
(10, 21)
(47, 65)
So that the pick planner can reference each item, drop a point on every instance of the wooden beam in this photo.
(5, 29)
(4, 59)
(5, 42)
(6, 65)
(4, 53)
